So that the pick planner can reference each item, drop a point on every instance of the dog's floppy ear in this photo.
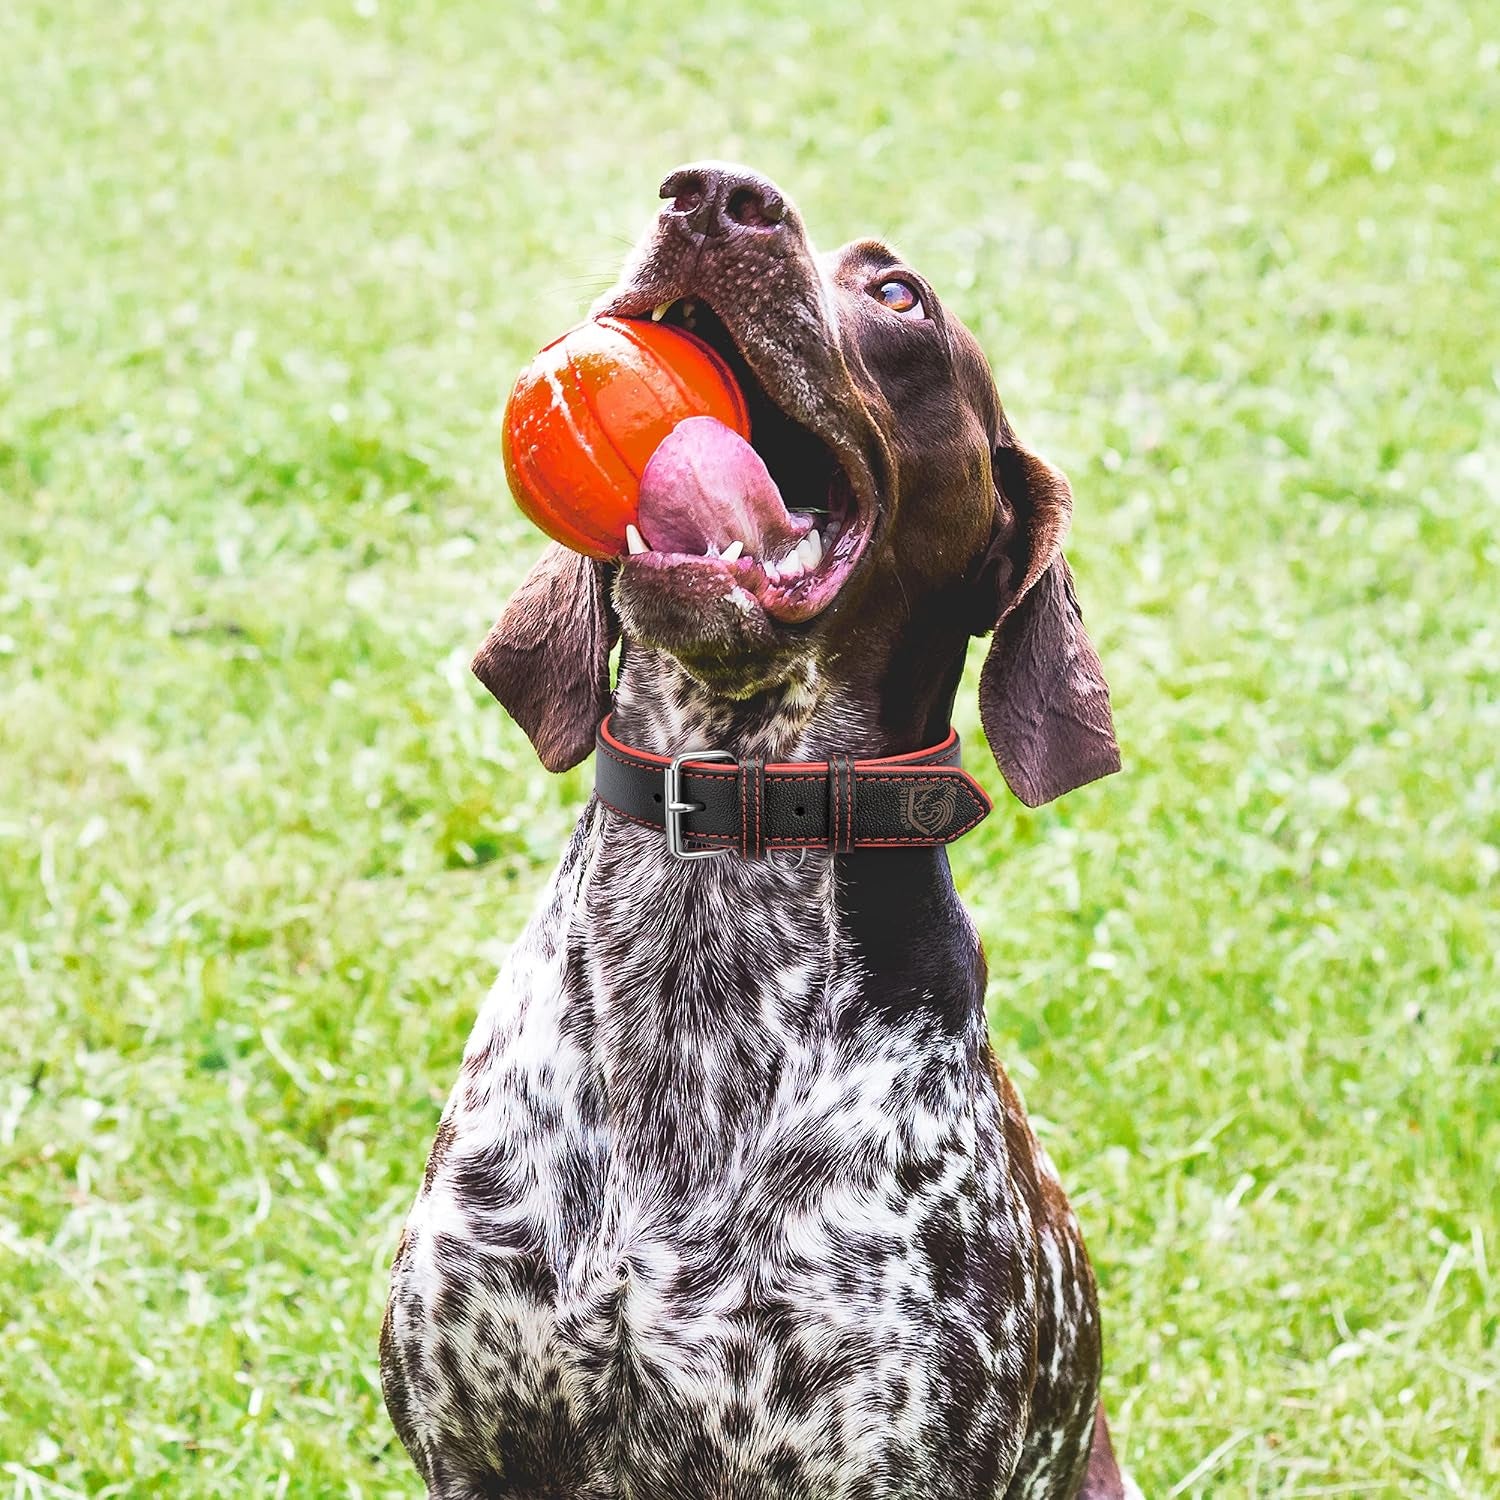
(1042, 694)
(547, 657)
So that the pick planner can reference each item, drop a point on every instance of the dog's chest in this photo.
(700, 1222)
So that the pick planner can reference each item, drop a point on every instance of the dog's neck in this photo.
(715, 995)
(890, 915)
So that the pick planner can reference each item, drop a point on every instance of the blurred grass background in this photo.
(266, 271)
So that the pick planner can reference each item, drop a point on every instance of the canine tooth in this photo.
(635, 541)
(810, 550)
(659, 311)
(733, 552)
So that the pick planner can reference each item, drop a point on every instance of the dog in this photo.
(731, 1198)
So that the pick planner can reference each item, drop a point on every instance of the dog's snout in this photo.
(714, 202)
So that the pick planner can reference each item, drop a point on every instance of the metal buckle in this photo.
(675, 806)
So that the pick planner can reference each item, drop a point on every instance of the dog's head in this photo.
(891, 512)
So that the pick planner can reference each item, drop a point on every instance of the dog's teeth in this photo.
(659, 311)
(810, 550)
(733, 552)
(635, 541)
(773, 574)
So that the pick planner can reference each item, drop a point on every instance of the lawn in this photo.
(266, 271)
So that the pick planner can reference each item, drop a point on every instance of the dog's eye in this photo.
(901, 297)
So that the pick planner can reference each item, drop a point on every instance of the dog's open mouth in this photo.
(777, 517)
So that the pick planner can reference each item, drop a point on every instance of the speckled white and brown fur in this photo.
(731, 1198)
(717, 1210)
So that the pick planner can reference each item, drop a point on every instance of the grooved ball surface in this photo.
(588, 412)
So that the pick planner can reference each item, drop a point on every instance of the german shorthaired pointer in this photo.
(732, 1198)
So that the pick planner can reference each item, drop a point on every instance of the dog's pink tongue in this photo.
(706, 486)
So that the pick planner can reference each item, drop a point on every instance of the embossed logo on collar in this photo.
(928, 808)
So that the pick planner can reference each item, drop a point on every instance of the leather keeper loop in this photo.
(752, 807)
(841, 803)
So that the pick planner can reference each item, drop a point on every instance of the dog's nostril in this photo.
(755, 209)
(686, 192)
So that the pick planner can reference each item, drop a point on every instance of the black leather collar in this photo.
(707, 802)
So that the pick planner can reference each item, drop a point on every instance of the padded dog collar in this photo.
(709, 802)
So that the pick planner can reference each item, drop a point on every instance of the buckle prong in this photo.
(675, 807)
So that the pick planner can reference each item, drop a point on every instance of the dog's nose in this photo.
(713, 201)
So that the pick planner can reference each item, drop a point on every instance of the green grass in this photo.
(265, 274)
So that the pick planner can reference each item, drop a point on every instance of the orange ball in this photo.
(589, 411)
